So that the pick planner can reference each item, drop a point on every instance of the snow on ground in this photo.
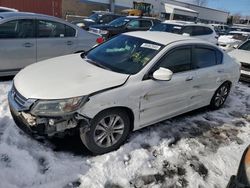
(198, 149)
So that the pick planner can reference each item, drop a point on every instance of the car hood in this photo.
(65, 77)
(241, 55)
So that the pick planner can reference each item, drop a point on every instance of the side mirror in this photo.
(186, 34)
(235, 46)
(163, 74)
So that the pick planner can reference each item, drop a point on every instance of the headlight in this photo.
(57, 107)
(103, 32)
(80, 24)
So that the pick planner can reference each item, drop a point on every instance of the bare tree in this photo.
(200, 2)
(236, 18)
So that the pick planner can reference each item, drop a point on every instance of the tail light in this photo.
(100, 40)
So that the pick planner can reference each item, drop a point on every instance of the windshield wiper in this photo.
(96, 64)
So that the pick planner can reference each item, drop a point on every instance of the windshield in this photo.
(95, 17)
(167, 28)
(119, 22)
(245, 46)
(124, 54)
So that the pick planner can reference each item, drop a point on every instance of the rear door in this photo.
(54, 39)
(17, 44)
(210, 72)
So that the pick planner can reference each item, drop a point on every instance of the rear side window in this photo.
(146, 23)
(50, 29)
(17, 29)
(178, 60)
(70, 32)
(188, 30)
(197, 30)
(207, 31)
(204, 57)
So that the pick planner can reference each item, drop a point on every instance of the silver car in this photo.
(26, 38)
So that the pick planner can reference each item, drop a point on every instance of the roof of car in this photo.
(8, 9)
(18, 14)
(163, 38)
(182, 23)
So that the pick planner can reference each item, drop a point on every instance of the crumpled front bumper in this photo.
(42, 126)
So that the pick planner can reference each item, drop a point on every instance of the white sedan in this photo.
(129, 82)
(242, 54)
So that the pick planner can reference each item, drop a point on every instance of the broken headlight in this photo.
(57, 107)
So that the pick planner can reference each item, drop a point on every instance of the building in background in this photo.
(49, 7)
(166, 9)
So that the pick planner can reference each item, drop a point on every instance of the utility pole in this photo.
(112, 5)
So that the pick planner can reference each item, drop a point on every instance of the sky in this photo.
(232, 6)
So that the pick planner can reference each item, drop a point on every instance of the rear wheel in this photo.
(108, 131)
(220, 96)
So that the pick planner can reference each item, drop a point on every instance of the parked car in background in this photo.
(26, 38)
(232, 39)
(242, 54)
(220, 29)
(98, 17)
(124, 24)
(6, 9)
(131, 81)
(202, 31)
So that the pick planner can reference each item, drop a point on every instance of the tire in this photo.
(220, 96)
(108, 131)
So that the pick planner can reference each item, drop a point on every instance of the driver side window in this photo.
(178, 60)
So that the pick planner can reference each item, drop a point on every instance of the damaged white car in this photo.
(129, 82)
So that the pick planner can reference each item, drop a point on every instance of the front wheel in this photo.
(220, 96)
(108, 131)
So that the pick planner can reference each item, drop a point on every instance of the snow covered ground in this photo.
(201, 149)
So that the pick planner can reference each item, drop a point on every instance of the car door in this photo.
(54, 39)
(210, 73)
(164, 99)
(17, 44)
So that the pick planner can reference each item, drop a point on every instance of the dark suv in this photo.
(96, 18)
(124, 24)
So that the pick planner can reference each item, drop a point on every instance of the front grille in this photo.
(245, 66)
(18, 98)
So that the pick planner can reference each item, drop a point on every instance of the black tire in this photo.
(220, 96)
(90, 137)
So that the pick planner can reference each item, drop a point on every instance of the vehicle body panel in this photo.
(16, 53)
(78, 76)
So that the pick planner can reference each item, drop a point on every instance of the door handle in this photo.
(189, 78)
(220, 70)
(69, 42)
(28, 45)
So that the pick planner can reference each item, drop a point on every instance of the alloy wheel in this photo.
(108, 131)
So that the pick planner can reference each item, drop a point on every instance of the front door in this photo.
(17, 44)
(164, 99)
